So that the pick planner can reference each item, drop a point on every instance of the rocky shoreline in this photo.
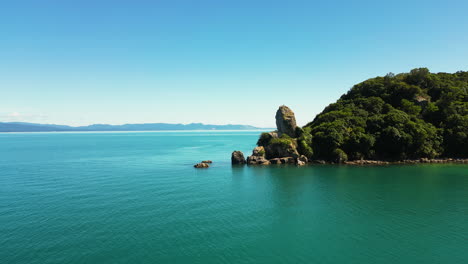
(288, 145)
(256, 159)
(416, 161)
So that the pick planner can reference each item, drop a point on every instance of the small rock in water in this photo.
(207, 161)
(201, 165)
(237, 157)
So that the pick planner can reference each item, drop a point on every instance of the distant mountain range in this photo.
(32, 127)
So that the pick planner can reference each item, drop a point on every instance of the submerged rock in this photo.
(286, 121)
(237, 157)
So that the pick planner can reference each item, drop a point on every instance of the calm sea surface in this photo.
(136, 198)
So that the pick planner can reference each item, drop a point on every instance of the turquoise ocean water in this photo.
(136, 198)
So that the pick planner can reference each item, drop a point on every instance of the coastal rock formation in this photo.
(283, 160)
(415, 161)
(283, 142)
(258, 151)
(404, 118)
(207, 161)
(302, 160)
(258, 157)
(275, 161)
(257, 160)
(281, 148)
(273, 134)
(237, 158)
(286, 121)
(287, 160)
(201, 165)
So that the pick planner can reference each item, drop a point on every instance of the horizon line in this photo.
(122, 124)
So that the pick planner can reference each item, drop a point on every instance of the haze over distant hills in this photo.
(33, 127)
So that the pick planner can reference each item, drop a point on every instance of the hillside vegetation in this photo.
(404, 116)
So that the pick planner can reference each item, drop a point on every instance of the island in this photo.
(399, 118)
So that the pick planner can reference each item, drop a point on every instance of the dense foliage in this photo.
(404, 116)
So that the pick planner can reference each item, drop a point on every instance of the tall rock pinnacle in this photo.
(286, 121)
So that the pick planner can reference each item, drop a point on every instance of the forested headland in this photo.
(395, 117)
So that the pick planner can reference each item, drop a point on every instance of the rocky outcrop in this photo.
(422, 101)
(207, 161)
(287, 160)
(258, 151)
(273, 134)
(275, 161)
(201, 165)
(237, 158)
(278, 147)
(282, 143)
(258, 157)
(286, 121)
(302, 160)
(300, 163)
(281, 148)
(257, 160)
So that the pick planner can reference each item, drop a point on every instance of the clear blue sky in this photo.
(83, 62)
